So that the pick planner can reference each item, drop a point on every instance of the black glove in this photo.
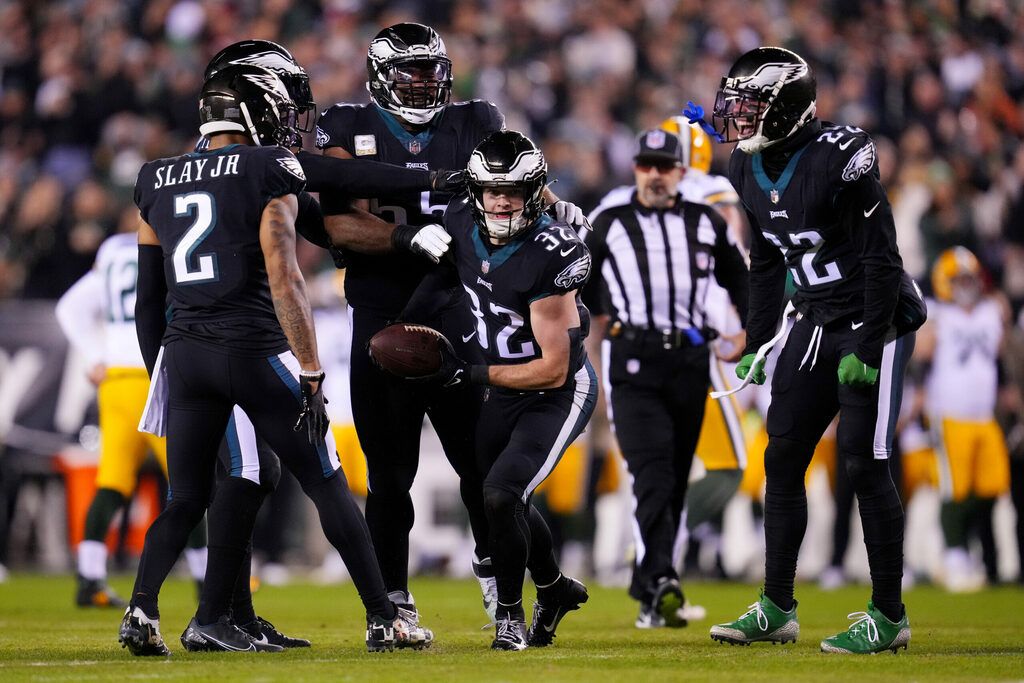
(314, 414)
(453, 371)
(448, 181)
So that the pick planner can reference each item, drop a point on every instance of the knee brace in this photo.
(502, 504)
(868, 475)
(785, 463)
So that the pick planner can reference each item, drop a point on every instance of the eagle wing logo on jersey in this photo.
(770, 75)
(292, 165)
(576, 272)
(860, 163)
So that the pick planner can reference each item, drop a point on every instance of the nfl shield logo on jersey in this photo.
(485, 266)
(414, 146)
(774, 196)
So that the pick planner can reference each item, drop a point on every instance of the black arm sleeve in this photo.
(360, 177)
(874, 237)
(150, 303)
(766, 290)
(436, 291)
(730, 266)
(310, 221)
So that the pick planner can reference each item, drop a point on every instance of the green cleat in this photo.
(870, 633)
(763, 622)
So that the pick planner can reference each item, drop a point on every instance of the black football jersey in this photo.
(366, 131)
(205, 208)
(798, 214)
(502, 282)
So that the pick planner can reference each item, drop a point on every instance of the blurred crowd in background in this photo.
(91, 89)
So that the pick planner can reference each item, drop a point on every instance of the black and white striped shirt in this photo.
(655, 265)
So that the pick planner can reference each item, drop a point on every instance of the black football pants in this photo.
(656, 399)
(806, 395)
(388, 414)
(203, 386)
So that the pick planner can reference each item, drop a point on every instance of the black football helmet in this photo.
(768, 95)
(507, 160)
(248, 99)
(270, 55)
(409, 73)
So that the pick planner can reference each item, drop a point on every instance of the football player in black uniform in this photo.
(216, 240)
(410, 123)
(522, 273)
(816, 207)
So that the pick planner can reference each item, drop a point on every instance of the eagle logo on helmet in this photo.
(270, 83)
(274, 61)
(771, 75)
(576, 272)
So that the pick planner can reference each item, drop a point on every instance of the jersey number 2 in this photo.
(203, 267)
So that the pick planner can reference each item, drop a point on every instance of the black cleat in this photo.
(96, 593)
(141, 635)
(263, 633)
(221, 636)
(547, 612)
(668, 602)
(509, 634)
(380, 634)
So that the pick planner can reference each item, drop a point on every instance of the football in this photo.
(407, 350)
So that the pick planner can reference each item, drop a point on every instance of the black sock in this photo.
(391, 517)
(104, 506)
(165, 540)
(232, 517)
(785, 515)
(514, 611)
(242, 610)
(510, 542)
(541, 561)
(346, 530)
(881, 515)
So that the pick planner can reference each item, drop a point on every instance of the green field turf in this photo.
(974, 637)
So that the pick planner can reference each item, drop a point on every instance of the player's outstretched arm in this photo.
(287, 287)
(551, 319)
(150, 296)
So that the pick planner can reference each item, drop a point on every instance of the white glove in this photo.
(567, 212)
(432, 240)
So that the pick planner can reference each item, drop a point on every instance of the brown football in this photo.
(407, 350)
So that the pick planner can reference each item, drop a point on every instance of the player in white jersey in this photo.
(721, 447)
(962, 340)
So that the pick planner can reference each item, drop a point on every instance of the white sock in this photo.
(92, 560)
(196, 558)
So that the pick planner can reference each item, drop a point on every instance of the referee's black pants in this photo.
(657, 398)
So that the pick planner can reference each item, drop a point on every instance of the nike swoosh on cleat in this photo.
(225, 645)
(262, 640)
(867, 214)
(554, 622)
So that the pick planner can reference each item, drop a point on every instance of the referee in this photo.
(656, 254)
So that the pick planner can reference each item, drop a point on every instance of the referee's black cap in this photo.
(658, 145)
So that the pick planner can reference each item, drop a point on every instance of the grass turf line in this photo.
(968, 637)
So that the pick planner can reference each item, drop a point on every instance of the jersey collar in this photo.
(497, 257)
(419, 141)
(775, 190)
